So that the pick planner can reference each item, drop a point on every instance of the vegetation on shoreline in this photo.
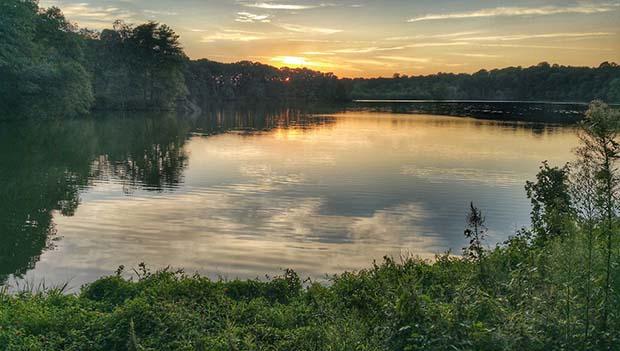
(554, 286)
(543, 82)
(50, 67)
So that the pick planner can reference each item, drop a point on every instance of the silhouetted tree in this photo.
(475, 233)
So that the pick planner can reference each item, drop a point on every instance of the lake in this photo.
(247, 192)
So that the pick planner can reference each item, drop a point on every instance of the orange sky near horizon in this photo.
(368, 38)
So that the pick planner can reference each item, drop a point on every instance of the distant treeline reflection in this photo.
(45, 166)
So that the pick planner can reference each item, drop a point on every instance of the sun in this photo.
(294, 60)
(298, 61)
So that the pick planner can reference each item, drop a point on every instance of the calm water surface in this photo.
(243, 194)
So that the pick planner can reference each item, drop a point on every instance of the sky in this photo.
(370, 38)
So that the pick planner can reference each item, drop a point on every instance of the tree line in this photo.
(543, 82)
(50, 67)
(210, 81)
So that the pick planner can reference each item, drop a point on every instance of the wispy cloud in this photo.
(367, 49)
(477, 55)
(247, 17)
(306, 40)
(537, 36)
(160, 13)
(233, 35)
(521, 11)
(316, 53)
(279, 6)
(433, 36)
(369, 62)
(404, 59)
(431, 45)
(373, 49)
(305, 29)
(546, 47)
(96, 17)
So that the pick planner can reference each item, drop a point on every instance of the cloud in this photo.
(367, 49)
(160, 13)
(432, 36)
(316, 53)
(404, 59)
(305, 29)
(477, 55)
(537, 36)
(276, 6)
(304, 40)
(520, 11)
(96, 17)
(247, 17)
(430, 45)
(546, 47)
(369, 62)
(233, 35)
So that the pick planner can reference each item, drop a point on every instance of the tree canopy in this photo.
(543, 82)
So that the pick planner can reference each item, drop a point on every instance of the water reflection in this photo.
(242, 192)
(41, 171)
(45, 166)
(491, 110)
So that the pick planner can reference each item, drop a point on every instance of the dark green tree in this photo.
(551, 201)
(41, 62)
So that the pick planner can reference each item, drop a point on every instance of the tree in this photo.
(41, 62)
(137, 67)
(551, 202)
(584, 202)
(475, 232)
(613, 94)
(600, 148)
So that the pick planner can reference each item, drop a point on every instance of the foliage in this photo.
(551, 202)
(475, 233)
(41, 62)
(137, 67)
(543, 82)
(210, 81)
(408, 305)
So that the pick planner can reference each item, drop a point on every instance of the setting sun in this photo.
(298, 62)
